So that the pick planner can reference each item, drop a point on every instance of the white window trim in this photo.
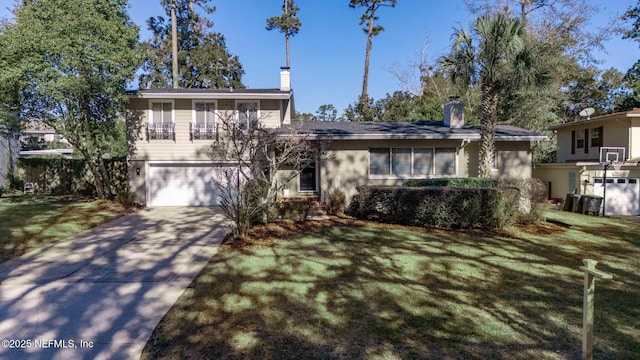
(237, 113)
(159, 101)
(494, 165)
(390, 176)
(215, 110)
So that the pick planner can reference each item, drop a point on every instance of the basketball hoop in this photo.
(617, 165)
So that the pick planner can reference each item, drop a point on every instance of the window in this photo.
(248, 113)
(380, 161)
(161, 125)
(579, 140)
(412, 162)
(401, 161)
(596, 137)
(204, 122)
(445, 162)
(422, 161)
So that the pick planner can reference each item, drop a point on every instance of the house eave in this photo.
(391, 137)
(211, 95)
(467, 137)
(603, 118)
(522, 138)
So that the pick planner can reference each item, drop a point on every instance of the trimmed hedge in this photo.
(436, 206)
(454, 182)
(297, 210)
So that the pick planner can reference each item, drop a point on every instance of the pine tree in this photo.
(287, 23)
(203, 59)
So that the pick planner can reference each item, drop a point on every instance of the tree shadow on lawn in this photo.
(369, 292)
(32, 223)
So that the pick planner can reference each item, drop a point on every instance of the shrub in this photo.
(297, 210)
(126, 198)
(336, 202)
(442, 207)
(454, 182)
(15, 182)
(533, 197)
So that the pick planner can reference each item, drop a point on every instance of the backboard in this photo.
(612, 154)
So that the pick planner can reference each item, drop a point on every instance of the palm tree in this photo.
(504, 60)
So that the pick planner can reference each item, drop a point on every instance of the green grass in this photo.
(29, 222)
(368, 292)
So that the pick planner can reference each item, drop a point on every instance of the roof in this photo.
(249, 94)
(38, 127)
(622, 114)
(417, 130)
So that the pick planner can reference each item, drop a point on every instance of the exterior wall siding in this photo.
(183, 148)
(615, 134)
(634, 139)
(137, 184)
(513, 159)
(559, 175)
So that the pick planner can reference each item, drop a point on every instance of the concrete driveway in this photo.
(100, 294)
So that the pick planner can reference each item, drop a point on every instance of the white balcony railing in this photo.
(165, 131)
(203, 131)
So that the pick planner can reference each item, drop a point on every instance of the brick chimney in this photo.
(454, 113)
(285, 79)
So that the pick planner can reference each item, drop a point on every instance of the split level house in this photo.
(585, 148)
(170, 167)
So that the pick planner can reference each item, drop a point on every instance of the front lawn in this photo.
(29, 222)
(364, 291)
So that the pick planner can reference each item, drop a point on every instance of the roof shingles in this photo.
(405, 130)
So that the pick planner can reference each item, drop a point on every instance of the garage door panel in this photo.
(623, 195)
(184, 185)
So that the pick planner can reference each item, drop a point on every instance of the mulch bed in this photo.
(269, 234)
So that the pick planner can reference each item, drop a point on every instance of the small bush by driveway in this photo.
(30, 222)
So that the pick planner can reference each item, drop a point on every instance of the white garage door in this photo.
(188, 185)
(622, 195)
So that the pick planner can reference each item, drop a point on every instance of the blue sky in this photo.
(327, 56)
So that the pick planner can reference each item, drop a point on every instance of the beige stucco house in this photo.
(389, 153)
(585, 147)
(170, 168)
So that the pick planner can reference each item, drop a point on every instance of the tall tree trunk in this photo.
(286, 34)
(104, 174)
(365, 79)
(488, 129)
(98, 170)
(174, 45)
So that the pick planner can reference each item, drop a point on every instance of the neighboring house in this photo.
(171, 168)
(584, 147)
(38, 139)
